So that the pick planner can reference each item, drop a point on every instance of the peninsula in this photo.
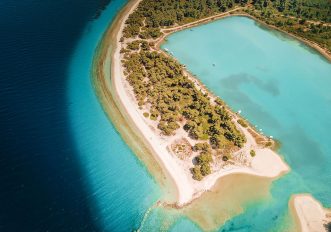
(193, 133)
(195, 137)
(310, 214)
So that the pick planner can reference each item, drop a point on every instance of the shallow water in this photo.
(283, 87)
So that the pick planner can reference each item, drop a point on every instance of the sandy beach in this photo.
(309, 213)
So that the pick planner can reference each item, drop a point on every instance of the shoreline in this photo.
(104, 84)
(168, 31)
(187, 188)
(308, 213)
(104, 88)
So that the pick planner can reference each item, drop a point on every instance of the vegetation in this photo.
(252, 153)
(315, 31)
(158, 82)
(196, 171)
(328, 227)
(268, 144)
(171, 98)
(242, 123)
(305, 18)
(181, 148)
(203, 164)
(202, 147)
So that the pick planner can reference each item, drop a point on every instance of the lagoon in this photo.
(280, 85)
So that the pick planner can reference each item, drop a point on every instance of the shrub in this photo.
(197, 173)
(152, 117)
(242, 123)
(205, 169)
(123, 50)
(252, 153)
(134, 45)
(146, 114)
(268, 144)
(219, 102)
(225, 158)
(204, 157)
(201, 147)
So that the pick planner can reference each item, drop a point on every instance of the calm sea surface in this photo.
(63, 166)
(284, 88)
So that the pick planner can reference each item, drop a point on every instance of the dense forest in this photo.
(168, 97)
(309, 19)
(173, 100)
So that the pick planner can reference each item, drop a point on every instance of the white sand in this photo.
(310, 213)
(266, 163)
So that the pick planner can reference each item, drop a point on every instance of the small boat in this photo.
(166, 49)
(260, 130)
(271, 136)
(239, 111)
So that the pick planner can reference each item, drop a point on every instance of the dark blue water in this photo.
(42, 183)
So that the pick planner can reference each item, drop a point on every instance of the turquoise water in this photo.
(120, 188)
(283, 87)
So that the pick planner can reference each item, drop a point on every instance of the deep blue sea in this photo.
(63, 166)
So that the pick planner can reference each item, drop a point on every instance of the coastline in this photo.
(104, 88)
(168, 31)
(109, 92)
(309, 215)
(187, 188)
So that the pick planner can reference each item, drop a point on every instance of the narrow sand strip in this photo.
(309, 213)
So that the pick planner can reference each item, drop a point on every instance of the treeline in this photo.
(305, 18)
(319, 10)
(152, 15)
